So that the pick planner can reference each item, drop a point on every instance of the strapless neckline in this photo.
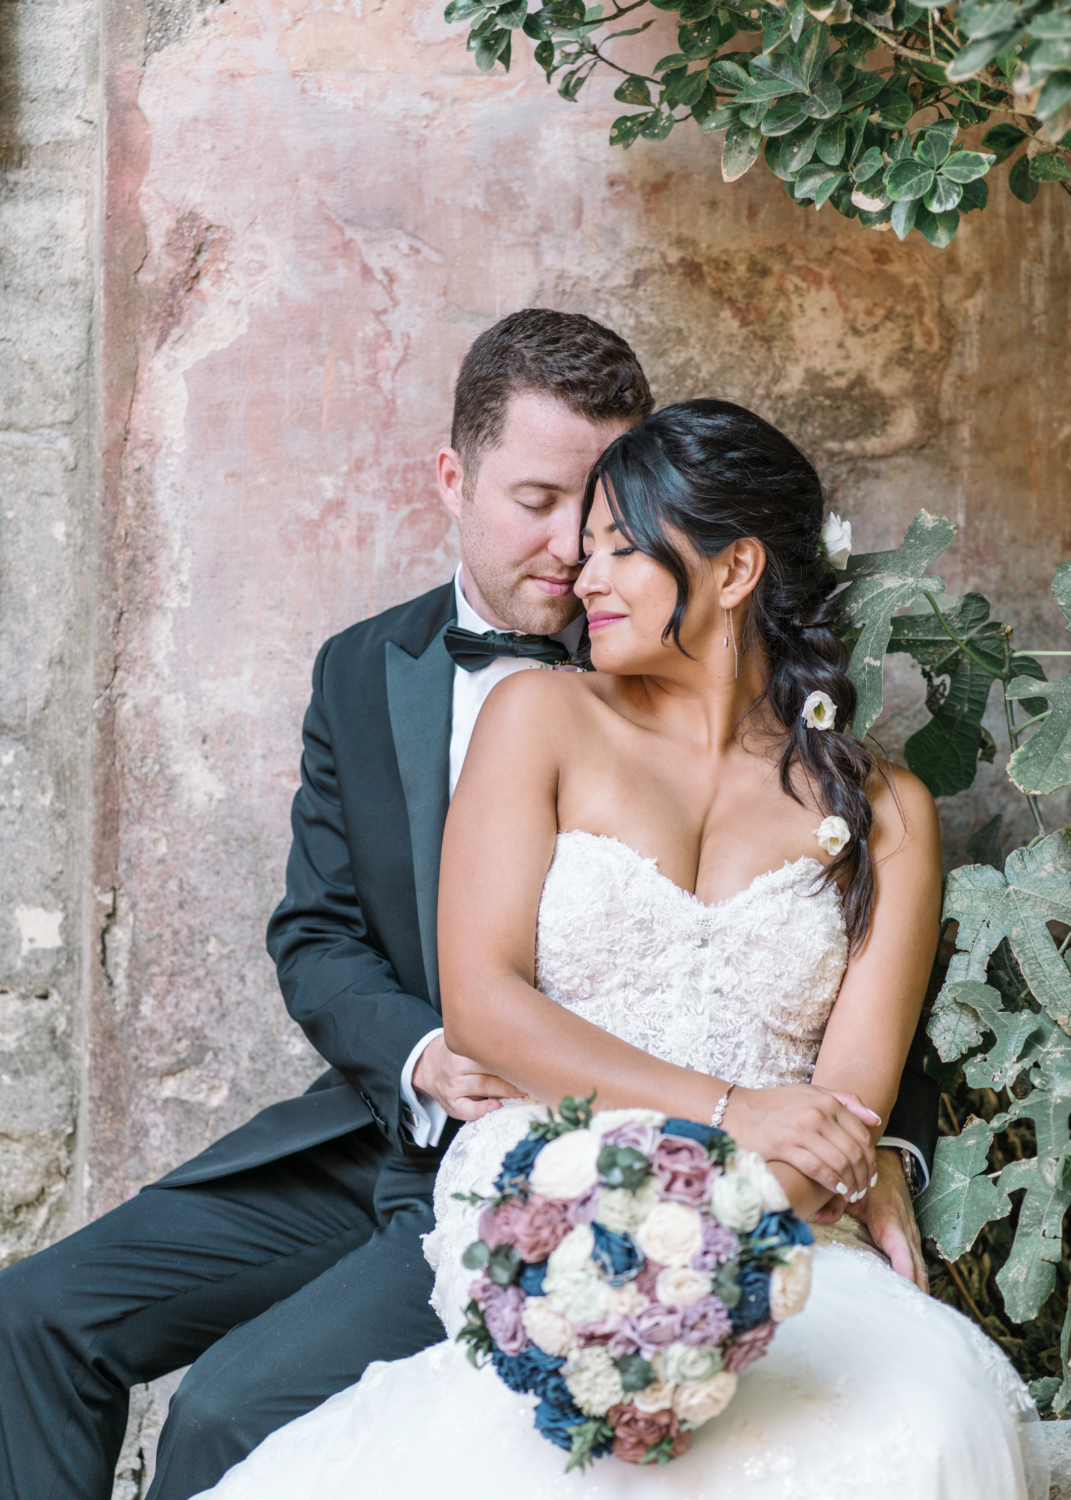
(760, 885)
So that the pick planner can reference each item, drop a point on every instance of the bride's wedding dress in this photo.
(874, 1391)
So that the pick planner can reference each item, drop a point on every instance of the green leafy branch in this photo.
(789, 83)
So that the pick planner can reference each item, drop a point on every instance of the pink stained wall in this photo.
(310, 214)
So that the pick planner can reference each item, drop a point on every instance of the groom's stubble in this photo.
(519, 515)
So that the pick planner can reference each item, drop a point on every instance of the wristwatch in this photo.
(912, 1171)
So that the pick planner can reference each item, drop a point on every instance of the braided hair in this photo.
(715, 473)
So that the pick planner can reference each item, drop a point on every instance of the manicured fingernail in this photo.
(842, 1189)
(873, 1116)
(874, 1180)
(856, 1196)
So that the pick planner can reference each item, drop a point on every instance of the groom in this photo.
(287, 1256)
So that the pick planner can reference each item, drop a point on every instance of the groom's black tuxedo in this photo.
(286, 1256)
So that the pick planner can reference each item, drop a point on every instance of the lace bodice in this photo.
(741, 989)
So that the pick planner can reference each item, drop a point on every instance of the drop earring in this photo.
(730, 630)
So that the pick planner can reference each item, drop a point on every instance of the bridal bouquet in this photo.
(629, 1268)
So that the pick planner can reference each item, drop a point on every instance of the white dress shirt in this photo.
(470, 691)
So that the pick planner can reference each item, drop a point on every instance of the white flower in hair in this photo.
(818, 712)
(837, 536)
(832, 835)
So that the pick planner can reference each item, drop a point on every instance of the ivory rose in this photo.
(736, 1201)
(790, 1284)
(818, 712)
(832, 834)
(547, 1329)
(688, 1364)
(565, 1168)
(696, 1404)
(623, 1211)
(658, 1396)
(680, 1286)
(837, 534)
(751, 1165)
(673, 1232)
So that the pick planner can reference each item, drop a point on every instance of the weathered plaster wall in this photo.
(48, 109)
(311, 212)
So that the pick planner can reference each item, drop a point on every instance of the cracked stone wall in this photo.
(216, 439)
(48, 192)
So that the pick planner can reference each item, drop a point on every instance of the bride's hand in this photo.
(825, 1136)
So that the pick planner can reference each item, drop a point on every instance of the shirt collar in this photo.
(468, 619)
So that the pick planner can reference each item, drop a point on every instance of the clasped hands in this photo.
(823, 1135)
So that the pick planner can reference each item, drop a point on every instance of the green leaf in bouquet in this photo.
(623, 1167)
(1034, 889)
(503, 1265)
(1028, 1276)
(475, 1333)
(960, 1199)
(1043, 763)
(476, 1256)
(879, 585)
(587, 1436)
(636, 1373)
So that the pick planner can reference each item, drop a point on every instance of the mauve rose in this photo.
(657, 1326)
(719, 1245)
(539, 1228)
(503, 1311)
(636, 1432)
(682, 1167)
(497, 1224)
(747, 1347)
(642, 1138)
(597, 1333)
(624, 1341)
(706, 1322)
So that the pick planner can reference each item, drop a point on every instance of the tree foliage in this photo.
(1001, 1022)
(858, 103)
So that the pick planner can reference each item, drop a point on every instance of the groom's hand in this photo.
(887, 1213)
(460, 1085)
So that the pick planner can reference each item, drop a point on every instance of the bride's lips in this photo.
(600, 619)
(553, 586)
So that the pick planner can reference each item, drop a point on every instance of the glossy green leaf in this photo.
(783, 117)
(634, 90)
(1002, 140)
(513, 15)
(692, 11)
(1023, 185)
(975, 195)
(903, 216)
(824, 103)
(943, 754)
(960, 1199)
(908, 179)
(657, 126)
(760, 90)
(700, 40)
(937, 228)
(798, 148)
(965, 166)
(868, 164)
(943, 195)
(740, 152)
(625, 129)
(988, 20)
(726, 74)
(921, 634)
(894, 107)
(1049, 166)
(933, 147)
(831, 142)
(825, 190)
(813, 177)
(973, 58)
(1034, 889)
(880, 584)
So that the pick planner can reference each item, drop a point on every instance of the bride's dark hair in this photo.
(714, 473)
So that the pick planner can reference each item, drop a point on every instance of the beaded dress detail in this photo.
(874, 1390)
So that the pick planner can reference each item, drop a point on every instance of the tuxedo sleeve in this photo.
(914, 1115)
(340, 989)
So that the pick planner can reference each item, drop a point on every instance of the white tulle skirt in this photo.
(875, 1392)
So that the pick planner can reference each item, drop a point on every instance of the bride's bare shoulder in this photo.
(538, 705)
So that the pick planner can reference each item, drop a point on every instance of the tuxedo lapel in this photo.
(420, 703)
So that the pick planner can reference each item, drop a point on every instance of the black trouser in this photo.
(280, 1283)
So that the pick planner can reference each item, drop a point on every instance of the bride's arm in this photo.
(498, 846)
(874, 1019)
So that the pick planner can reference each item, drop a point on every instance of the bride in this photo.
(665, 882)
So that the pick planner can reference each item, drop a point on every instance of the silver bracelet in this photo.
(719, 1109)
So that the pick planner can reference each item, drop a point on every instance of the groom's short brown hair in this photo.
(587, 367)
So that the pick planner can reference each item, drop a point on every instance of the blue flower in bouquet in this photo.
(532, 1370)
(785, 1228)
(554, 1422)
(754, 1305)
(531, 1279)
(616, 1254)
(706, 1135)
(518, 1162)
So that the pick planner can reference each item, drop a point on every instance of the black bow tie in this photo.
(471, 652)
